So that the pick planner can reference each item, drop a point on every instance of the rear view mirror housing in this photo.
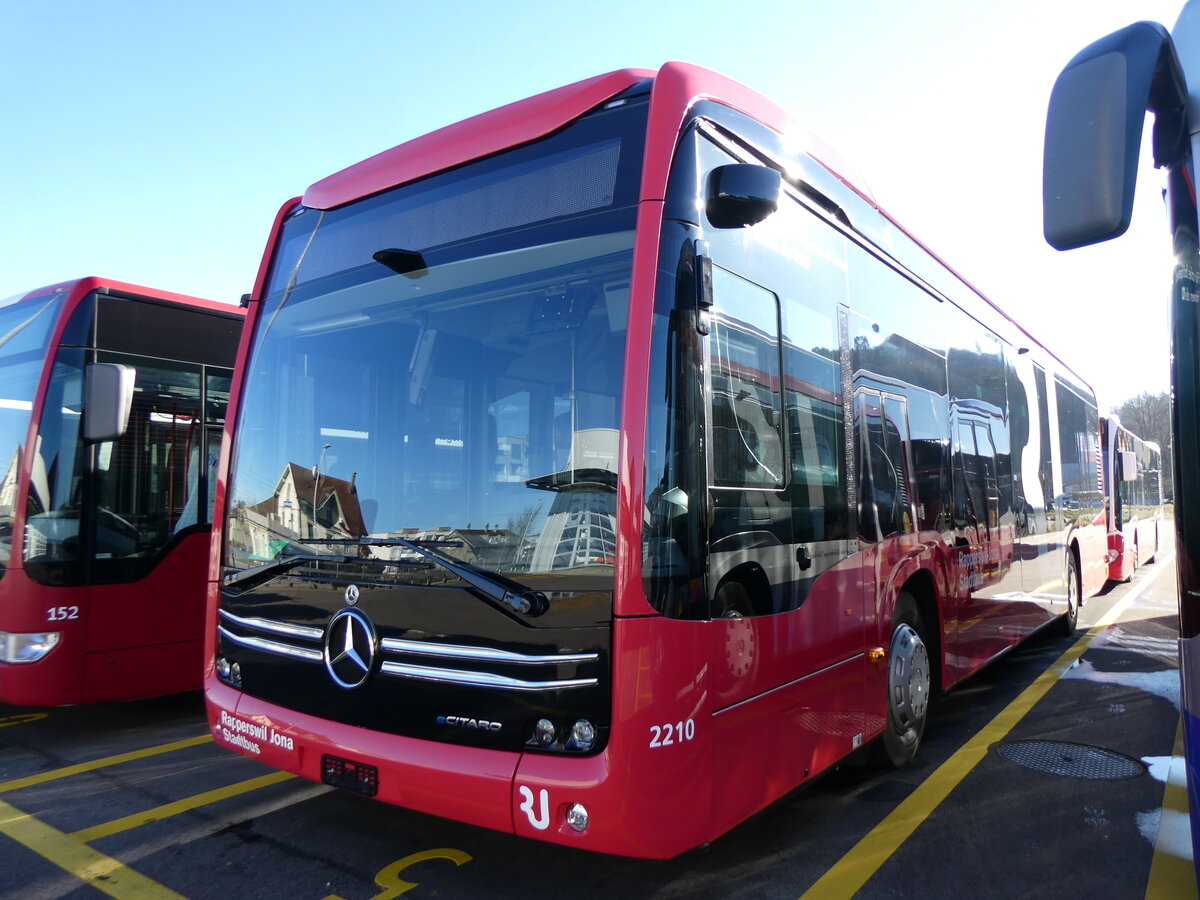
(108, 398)
(1127, 464)
(1094, 132)
(742, 194)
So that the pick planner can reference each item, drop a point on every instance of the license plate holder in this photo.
(359, 778)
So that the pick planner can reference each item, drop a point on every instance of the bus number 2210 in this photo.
(666, 735)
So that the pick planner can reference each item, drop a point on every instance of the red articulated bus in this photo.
(112, 402)
(1133, 498)
(610, 456)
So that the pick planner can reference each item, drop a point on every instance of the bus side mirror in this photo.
(1128, 465)
(1094, 132)
(742, 194)
(107, 401)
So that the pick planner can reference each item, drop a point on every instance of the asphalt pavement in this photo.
(1053, 771)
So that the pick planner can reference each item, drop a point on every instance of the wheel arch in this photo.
(1073, 550)
(919, 585)
(752, 578)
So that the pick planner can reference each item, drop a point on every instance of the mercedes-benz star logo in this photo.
(352, 595)
(349, 648)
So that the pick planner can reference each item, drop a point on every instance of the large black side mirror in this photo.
(742, 194)
(1094, 132)
(108, 398)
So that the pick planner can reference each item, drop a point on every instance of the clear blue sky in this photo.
(153, 142)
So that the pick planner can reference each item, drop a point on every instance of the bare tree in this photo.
(1149, 417)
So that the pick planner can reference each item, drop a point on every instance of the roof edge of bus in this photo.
(679, 84)
(89, 283)
(682, 84)
(480, 135)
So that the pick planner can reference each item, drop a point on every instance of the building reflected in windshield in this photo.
(308, 509)
(581, 527)
(287, 516)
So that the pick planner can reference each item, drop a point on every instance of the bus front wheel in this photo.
(1070, 619)
(908, 687)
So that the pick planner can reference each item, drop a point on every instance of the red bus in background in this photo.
(1133, 499)
(605, 466)
(112, 401)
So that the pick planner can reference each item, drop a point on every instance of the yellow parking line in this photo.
(86, 835)
(67, 771)
(102, 872)
(1172, 875)
(864, 859)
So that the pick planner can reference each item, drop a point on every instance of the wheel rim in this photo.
(1072, 592)
(908, 677)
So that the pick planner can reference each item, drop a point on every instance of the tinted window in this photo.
(1078, 435)
(746, 408)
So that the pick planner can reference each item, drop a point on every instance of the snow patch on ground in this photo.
(1168, 830)
(1167, 769)
(1163, 684)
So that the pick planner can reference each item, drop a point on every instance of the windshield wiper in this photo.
(515, 596)
(248, 578)
(251, 578)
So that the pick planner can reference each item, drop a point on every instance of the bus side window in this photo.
(748, 464)
(817, 477)
(884, 484)
(895, 424)
(968, 492)
(747, 413)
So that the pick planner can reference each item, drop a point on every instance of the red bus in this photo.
(1133, 501)
(112, 401)
(607, 465)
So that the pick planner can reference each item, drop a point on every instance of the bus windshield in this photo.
(24, 331)
(457, 386)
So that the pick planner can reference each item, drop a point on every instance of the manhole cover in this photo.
(1073, 760)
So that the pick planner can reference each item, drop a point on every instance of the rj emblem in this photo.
(540, 819)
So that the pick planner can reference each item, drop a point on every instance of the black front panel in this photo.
(425, 671)
(146, 328)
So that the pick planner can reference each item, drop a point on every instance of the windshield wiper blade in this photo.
(515, 596)
(251, 578)
(503, 590)
(248, 578)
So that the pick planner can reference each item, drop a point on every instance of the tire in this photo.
(733, 601)
(908, 689)
(1069, 620)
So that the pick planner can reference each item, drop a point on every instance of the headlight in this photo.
(26, 648)
(577, 817)
(583, 736)
(229, 672)
(543, 732)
